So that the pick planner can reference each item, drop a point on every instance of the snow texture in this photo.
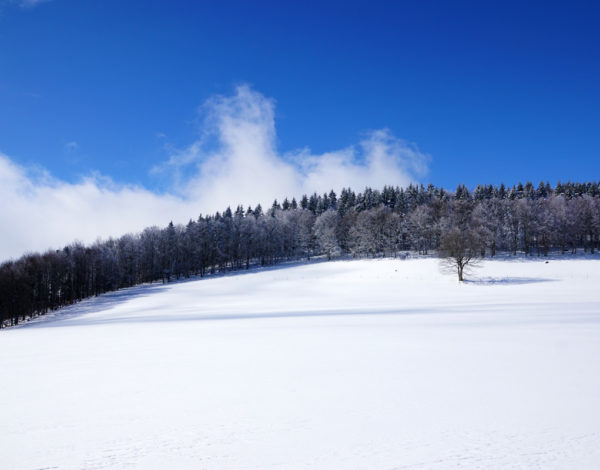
(350, 364)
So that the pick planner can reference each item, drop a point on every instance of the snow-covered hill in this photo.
(349, 364)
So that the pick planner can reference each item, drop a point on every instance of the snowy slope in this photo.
(349, 364)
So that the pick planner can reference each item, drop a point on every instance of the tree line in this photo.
(520, 219)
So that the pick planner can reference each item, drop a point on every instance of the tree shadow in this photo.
(108, 300)
(91, 305)
(202, 316)
(81, 312)
(507, 280)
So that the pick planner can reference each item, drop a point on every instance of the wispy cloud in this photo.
(71, 146)
(234, 161)
(30, 3)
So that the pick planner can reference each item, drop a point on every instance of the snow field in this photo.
(349, 364)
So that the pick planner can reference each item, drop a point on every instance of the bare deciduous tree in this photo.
(460, 249)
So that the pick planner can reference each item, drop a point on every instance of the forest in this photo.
(521, 220)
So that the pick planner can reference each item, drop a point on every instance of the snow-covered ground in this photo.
(350, 364)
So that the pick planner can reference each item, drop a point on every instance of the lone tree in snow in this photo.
(459, 249)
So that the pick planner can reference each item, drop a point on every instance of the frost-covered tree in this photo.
(421, 228)
(326, 228)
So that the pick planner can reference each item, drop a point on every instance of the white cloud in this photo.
(40, 212)
(234, 161)
(244, 165)
(380, 159)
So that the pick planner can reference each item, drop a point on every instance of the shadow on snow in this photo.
(507, 280)
(82, 312)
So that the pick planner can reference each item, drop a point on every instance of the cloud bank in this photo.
(234, 161)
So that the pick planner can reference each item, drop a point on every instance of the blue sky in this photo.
(493, 91)
(125, 93)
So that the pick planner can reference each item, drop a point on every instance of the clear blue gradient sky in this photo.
(492, 91)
